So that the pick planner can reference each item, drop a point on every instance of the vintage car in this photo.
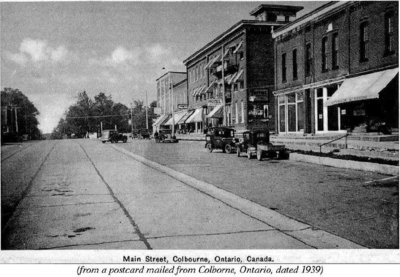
(144, 134)
(220, 138)
(113, 136)
(165, 136)
(257, 142)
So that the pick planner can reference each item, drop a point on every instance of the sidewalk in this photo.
(361, 152)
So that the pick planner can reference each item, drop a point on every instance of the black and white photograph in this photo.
(202, 126)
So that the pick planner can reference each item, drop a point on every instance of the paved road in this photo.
(81, 194)
(84, 194)
(347, 203)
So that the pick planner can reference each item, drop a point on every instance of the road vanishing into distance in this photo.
(83, 194)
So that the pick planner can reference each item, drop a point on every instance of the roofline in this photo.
(175, 72)
(179, 83)
(232, 29)
(308, 17)
(276, 7)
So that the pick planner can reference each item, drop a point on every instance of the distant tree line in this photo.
(88, 115)
(18, 116)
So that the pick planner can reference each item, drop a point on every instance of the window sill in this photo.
(387, 54)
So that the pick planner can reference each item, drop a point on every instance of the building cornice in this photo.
(231, 30)
(313, 15)
(166, 73)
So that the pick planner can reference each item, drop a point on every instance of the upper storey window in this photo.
(364, 40)
(389, 33)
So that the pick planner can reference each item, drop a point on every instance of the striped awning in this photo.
(177, 117)
(212, 61)
(238, 47)
(217, 112)
(185, 117)
(210, 86)
(238, 75)
(161, 119)
(197, 116)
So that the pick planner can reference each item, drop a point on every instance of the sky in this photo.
(51, 51)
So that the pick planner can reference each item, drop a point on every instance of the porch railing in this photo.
(345, 142)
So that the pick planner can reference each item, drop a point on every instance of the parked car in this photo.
(256, 142)
(220, 138)
(113, 136)
(144, 134)
(165, 136)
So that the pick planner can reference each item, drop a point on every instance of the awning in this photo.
(185, 117)
(177, 117)
(160, 120)
(199, 90)
(238, 47)
(202, 90)
(212, 61)
(363, 87)
(217, 112)
(238, 75)
(165, 120)
(210, 86)
(229, 80)
(197, 116)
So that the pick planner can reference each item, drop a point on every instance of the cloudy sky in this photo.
(51, 51)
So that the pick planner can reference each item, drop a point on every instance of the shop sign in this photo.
(214, 102)
(157, 111)
(182, 106)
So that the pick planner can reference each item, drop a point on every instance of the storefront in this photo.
(365, 103)
(195, 121)
(291, 112)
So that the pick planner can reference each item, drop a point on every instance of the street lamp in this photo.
(172, 104)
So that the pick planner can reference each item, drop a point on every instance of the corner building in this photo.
(337, 69)
(231, 79)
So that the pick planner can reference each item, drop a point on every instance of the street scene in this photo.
(143, 126)
(82, 194)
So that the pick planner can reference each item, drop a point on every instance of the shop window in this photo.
(282, 122)
(389, 33)
(324, 56)
(364, 39)
(300, 111)
(335, 51)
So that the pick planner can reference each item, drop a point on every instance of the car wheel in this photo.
(249, 154)
(228, 148)
(238, 151)
(209, 147)
(259, 155)
(103, 141)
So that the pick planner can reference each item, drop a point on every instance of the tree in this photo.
(13, 101)
(86, 116)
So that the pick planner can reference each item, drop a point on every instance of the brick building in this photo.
(171, 94)
(337, 69)
(231, 79)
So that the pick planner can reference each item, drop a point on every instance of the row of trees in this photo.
(87, 115)
(19, 116)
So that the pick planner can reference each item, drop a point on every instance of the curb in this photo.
(303, 232)
(348, 164)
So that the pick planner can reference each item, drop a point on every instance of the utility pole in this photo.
(147, 116)
(172, 104)
(131, 118)
(101, 128)
(223, 89)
